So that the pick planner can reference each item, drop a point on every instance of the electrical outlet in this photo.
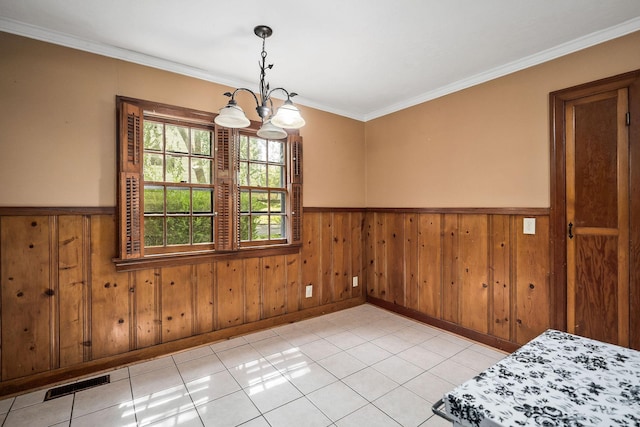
(309, 291)
(529, 226)
(354, 281)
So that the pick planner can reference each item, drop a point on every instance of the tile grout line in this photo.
(333, 326)
(73, 404)
(133, 399)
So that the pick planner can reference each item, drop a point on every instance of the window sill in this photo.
(173, 260)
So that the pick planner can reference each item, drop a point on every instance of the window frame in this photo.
(250, 188)
(132, 254)
(166, 248)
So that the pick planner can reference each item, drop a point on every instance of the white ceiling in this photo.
(357, 58)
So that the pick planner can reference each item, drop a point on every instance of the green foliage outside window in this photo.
(178, 190)
(177, 215)
(261, 176)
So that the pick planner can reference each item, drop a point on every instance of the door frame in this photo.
(558, 220)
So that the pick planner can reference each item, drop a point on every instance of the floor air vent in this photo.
(79, 386)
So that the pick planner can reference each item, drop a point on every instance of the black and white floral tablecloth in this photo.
(557, 379)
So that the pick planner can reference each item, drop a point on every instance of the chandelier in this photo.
(273, 125)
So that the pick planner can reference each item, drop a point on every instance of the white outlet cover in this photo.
(529, 226)
(309, 291)
(354, 281)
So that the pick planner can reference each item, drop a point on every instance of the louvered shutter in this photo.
(295, 144)
(226, 189)
(129, 183)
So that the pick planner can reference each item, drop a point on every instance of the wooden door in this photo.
(597, 216)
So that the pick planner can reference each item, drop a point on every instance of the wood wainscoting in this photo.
(471, 271)
(67, 311)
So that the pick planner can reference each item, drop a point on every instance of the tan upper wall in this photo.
(486, 146)
(57, 127)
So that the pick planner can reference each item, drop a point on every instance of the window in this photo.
(187, 186)
(177, 173)
(263, 193)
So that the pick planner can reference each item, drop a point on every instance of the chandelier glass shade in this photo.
(273, 125)
(269, 131)
(232, 116)
(288, 116)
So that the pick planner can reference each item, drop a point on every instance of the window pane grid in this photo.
(178, 190)
(262, 181)
(257, 175)
(262, 215)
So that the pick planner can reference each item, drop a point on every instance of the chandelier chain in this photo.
(288, 116)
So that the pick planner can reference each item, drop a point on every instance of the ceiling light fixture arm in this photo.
(232, 95)
(288, 116)
(263, 110)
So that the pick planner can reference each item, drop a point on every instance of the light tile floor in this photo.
(362, 366)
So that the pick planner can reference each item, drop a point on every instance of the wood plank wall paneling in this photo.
(500, 276)
(252, 291)
(394, 242)
(230, 284)
(177, 289)
(26, 292)
(531, 270)
(71, 287)
(65, 306)
(475, 270)
(310, 254)
(429, 264)
(326, 282)
(356, 222)
(203, 299)
(368, 249)
(275, 289)
(412, 276)
(450, 266)
(381, 256)
(111, 313)
(146, 306)
(341, 257)
(293, 283)
(472, 271)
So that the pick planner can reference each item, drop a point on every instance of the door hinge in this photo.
(628, 119)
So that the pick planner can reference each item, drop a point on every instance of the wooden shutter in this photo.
(226, 222)
(295, 144)
(296, 213)
(130, 225)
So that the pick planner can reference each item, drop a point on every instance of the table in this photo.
(557, 379)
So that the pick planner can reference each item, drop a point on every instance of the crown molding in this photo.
(66, 40)
(62, 39)
(572, 46)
